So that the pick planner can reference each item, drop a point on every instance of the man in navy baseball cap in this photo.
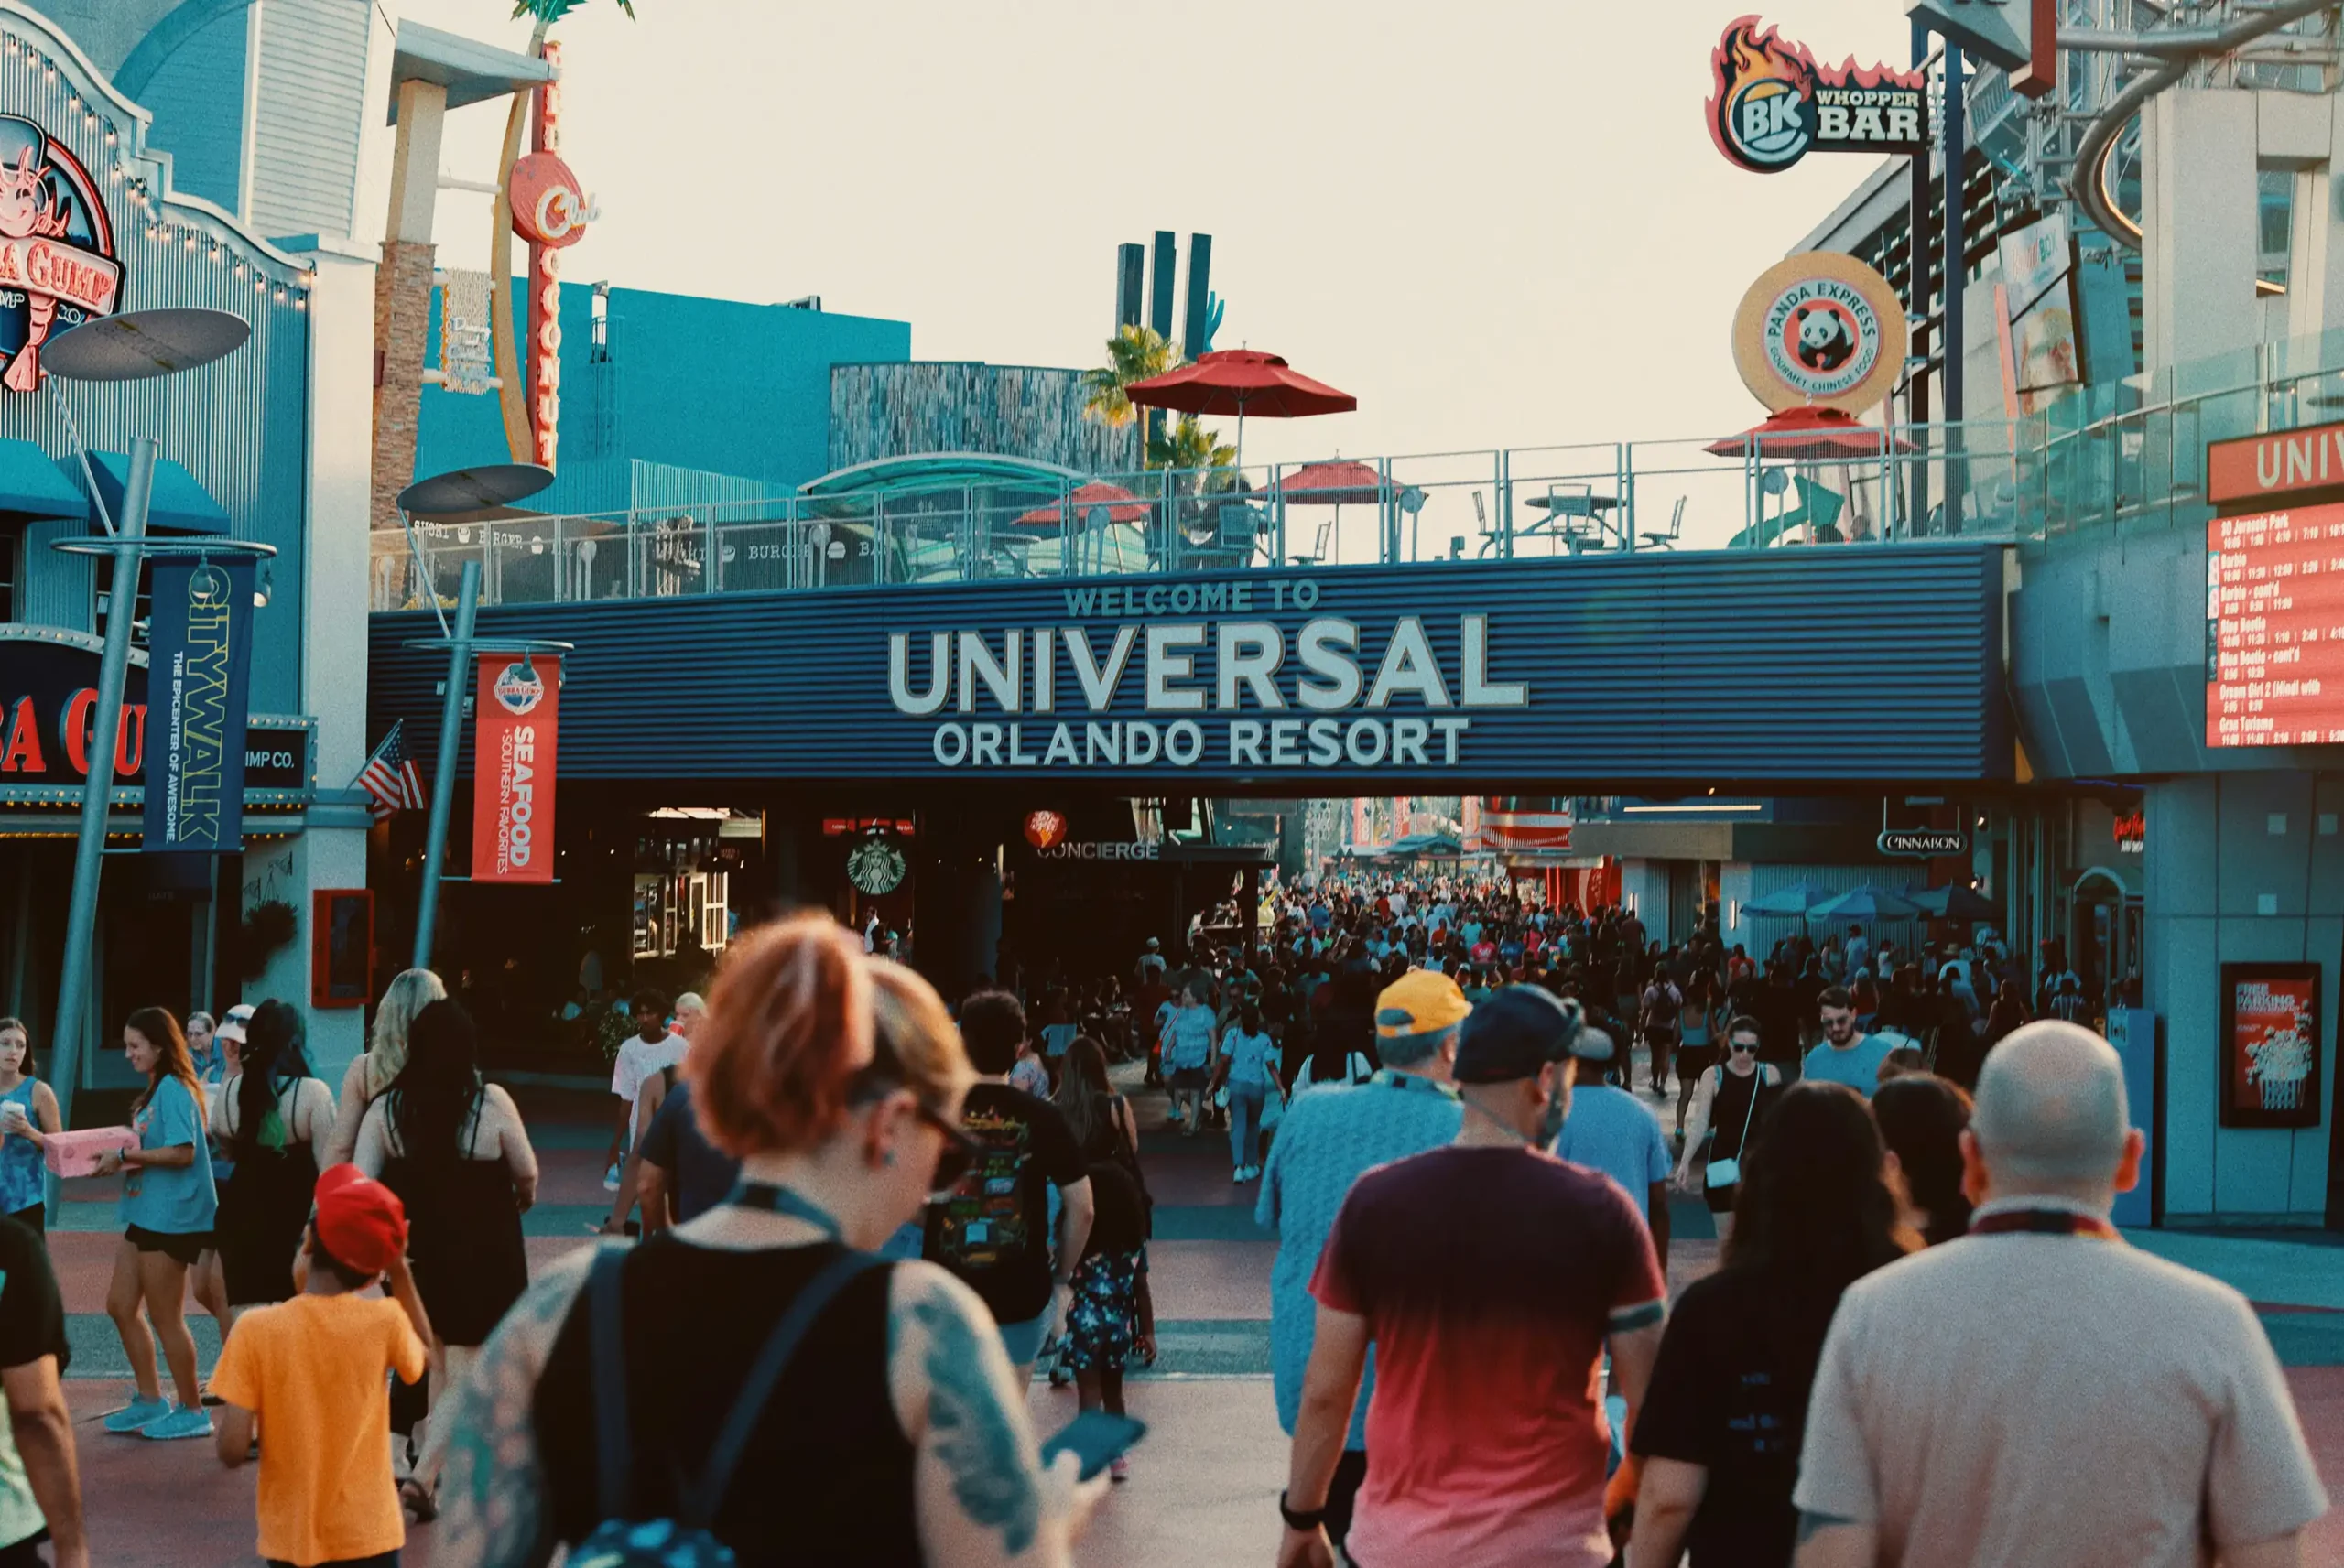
(1490, 1278)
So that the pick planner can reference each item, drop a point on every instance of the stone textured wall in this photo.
(402, 334)
(945, 406)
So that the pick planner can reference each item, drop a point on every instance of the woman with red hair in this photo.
(892, 1431)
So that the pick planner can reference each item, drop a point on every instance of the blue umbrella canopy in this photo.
(1865, 902)
(1954, 901)
(1786, 902)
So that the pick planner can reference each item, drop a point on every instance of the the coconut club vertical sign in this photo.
(517, 712)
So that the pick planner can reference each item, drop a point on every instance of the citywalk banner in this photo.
(199, 662)
(516, 720)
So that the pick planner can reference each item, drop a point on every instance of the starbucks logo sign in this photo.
(876, 867)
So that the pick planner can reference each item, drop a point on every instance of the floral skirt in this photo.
(1098, 1324)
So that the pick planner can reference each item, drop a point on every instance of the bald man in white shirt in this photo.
(2038, 1392)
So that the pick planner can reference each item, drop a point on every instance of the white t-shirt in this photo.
(1959, 1388)
(639, 1058)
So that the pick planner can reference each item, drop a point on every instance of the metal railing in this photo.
(1914, 483)
(2120, 459)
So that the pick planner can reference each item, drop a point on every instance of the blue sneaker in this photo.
(182, 1421)
(134, 1417)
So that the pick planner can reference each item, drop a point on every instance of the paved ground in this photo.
(1204, 1484)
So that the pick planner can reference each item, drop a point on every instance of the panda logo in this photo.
(1823, 341)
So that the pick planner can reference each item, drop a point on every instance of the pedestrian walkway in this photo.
(1204, 1485)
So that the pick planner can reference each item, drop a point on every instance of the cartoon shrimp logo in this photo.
(57, 262)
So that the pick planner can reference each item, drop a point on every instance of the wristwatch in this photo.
(1301, 1518)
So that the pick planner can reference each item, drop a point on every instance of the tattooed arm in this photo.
(492, 1493)
(978, 1488)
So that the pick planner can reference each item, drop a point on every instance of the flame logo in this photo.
(1763, 107)
(1761, 111)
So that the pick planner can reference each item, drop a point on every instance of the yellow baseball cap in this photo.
(1422, 1002)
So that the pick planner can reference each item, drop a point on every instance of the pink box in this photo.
(76, 1153)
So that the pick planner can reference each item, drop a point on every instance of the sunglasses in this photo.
(958, 1153)
(1742, 1047)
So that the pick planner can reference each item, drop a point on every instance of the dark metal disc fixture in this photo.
(474, 489)
(138, 345)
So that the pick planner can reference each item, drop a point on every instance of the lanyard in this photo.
(2042, 1222)
(1413, 1082)
(781, 1200)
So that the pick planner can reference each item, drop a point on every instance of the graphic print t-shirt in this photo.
(993, 1231)
(1489, 1279)
(1729, 1393)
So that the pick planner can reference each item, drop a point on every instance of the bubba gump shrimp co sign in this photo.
(58, 267)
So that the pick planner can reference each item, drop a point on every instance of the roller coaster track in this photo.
(2176, 51)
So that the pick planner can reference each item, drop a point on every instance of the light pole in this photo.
(462, 490)
(136, 346)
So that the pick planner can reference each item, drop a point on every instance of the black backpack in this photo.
(622, 1540)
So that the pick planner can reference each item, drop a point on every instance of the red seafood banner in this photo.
(517, 720)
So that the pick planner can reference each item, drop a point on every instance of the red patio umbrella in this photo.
(1240, 382)
(1342, 482)
(1122, 505)
(1811, 435)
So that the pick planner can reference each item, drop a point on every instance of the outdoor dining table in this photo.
(1594, 507)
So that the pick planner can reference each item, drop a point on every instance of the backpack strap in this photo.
(613, 1443)
(700, 1503)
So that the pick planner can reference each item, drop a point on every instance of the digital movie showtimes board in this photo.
(2274, 628)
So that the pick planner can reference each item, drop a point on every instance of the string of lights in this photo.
(155, 220)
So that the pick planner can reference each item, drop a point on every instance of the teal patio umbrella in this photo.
(1954, 901)
(1785, 903)
(1864, 904)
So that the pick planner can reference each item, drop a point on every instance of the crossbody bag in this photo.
(1720, 1173)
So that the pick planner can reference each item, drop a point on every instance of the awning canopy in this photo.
(471, 71)
(177, 502)
(30, 485)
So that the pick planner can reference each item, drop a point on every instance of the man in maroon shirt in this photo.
(1489, 1277)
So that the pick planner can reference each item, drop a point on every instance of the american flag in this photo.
(390, 777)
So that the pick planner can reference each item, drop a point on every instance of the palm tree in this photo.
(1198, 465)
(1190, 444)
(1134, 353)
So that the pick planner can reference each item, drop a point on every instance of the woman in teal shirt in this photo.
(168, 1204)
(1249, 1066)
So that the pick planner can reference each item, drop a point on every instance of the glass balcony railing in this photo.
(2119, 458)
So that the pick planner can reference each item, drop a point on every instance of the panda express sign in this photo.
(1771, 104)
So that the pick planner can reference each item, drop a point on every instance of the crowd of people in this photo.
(851, 1222)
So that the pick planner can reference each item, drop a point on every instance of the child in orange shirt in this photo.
(311, 1370)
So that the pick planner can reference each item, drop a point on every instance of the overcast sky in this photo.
(1497, 223)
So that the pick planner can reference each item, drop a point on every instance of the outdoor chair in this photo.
(1666, 540)
(1318, 549)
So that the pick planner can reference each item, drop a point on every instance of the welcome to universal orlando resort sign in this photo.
(1306, 690)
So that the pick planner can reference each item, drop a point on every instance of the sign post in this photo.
(97, 790)
(138, 346)
(443, 770)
